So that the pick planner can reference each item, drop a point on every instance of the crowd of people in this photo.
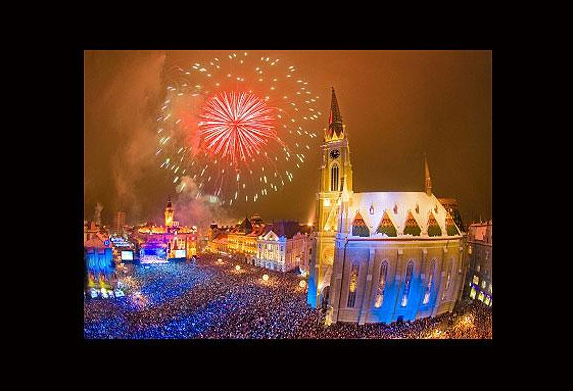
(212, 299)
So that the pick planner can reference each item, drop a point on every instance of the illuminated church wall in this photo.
(426, 295)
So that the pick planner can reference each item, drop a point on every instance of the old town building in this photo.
(283, 247)
(479, 275)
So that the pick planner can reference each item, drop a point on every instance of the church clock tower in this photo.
(335, 184)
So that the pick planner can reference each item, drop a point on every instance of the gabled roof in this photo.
(398, 205)
(245, 226)
(270, 235)
(257, 230)
(220, 238)
(287, 229)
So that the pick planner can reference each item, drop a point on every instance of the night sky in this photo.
(396, 105)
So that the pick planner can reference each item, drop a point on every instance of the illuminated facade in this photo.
(479, 276)
(380, 256)
(243, 239)
(217, 238)
(171, 241)
(282, 247)
(219, 243)
(100, 268)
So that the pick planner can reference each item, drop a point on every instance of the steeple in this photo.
(335, 129)
(428, 183)
(169, 213)
(246, 227)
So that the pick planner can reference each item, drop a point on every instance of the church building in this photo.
(380, 256)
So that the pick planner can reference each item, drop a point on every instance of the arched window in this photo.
(428, 287)
(407, 282)
(334, 178)
(352, 286)
(448, 279)
(381, 285)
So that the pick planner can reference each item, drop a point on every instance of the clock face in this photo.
(334, 153)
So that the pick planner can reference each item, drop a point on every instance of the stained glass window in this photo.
(448, 279)
(352, 286)
(381, 285)
(407, 283)
(430, 281)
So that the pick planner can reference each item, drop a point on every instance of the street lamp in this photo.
(265, 277)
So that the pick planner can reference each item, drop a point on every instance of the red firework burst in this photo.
(235, 125)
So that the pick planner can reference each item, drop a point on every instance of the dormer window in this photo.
(395, 209)
(371, 209)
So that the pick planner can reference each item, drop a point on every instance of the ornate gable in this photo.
(386, 226)
(270, 236)
(412, 227)
(451, 226)
(359, 227)
(433, 226)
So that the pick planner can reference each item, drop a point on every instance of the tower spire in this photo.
(169, 213)
(335, 129)
(428, 183)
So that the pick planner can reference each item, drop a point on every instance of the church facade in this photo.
(380, 256)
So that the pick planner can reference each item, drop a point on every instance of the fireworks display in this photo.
(237, 127)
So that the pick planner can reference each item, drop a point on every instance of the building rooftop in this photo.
(400, 208)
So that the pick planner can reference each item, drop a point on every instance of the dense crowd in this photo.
(212, 299)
